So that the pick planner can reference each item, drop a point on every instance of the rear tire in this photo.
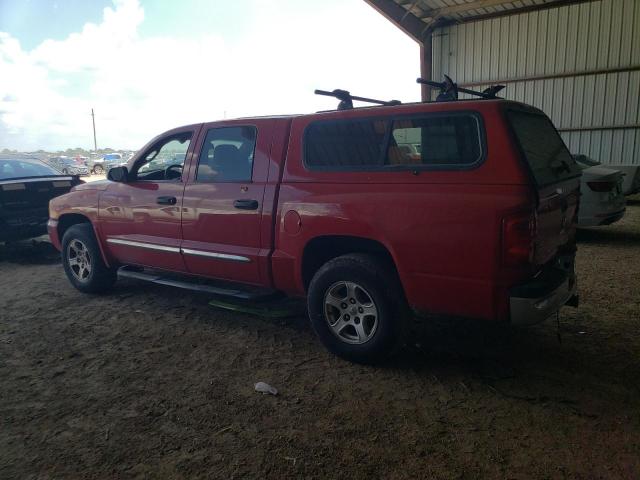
(98, 170)
(356, 307)
(82, 260)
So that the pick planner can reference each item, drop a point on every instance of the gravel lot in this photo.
(152, 382)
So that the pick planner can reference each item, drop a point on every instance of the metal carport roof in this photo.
(418, 17)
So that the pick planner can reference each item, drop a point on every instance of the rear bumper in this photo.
(601, 219)
(21, 232)
(612, 218)
(22, 224)
(540, 298)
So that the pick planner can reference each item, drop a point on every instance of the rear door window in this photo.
(542, 147)
(227, 155)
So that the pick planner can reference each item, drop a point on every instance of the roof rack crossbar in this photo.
(346, 99)
(449, 90)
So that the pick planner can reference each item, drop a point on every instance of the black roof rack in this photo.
(346, 99)
(449, 90)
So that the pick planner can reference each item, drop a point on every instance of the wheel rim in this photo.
(350, 312)
(79, 260)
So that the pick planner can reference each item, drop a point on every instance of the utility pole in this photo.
(95, 144)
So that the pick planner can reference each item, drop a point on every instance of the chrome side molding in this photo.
(148, 246)
(184, 251)
(222, 256)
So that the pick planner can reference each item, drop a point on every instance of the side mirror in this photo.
(118, 174)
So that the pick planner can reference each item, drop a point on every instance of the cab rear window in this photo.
(439, 141)
(542, 147)
(345, 144)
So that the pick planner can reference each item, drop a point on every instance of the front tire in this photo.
(356, 308)
(82, 260)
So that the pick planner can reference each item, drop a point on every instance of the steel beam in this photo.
(426, 65)
(631, 126)
(434, 14)
(403, 19)
(552, 76)
(503, 13)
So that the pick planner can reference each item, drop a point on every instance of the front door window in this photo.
(164, 161)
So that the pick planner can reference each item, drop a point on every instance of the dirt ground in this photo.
(151, 382)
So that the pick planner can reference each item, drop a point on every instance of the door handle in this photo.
(166, 200)
(246, 204)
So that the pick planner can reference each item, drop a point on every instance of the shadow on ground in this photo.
(37, 251)
(151, 381)
(620, 237)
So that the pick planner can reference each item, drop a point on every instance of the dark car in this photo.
(69, 166)
(26, 186)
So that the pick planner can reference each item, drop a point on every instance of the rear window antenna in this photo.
(346, 99)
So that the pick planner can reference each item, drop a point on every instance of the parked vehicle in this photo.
(26, 186)
(631, 179)
(164, 161)
(477, 219)
(602, 201)
(102, 165)
(68, 166)
(81, 160)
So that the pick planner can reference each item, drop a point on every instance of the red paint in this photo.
(445, 230)
(292, 223)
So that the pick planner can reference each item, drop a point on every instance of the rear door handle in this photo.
(246, 204)
(166, 200)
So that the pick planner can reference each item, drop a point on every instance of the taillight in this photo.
(601, 186)
(518, 234)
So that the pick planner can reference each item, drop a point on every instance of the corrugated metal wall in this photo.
(597, 110)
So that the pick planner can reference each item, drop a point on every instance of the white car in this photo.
(602, 200)
(108, 161)
(631, 181)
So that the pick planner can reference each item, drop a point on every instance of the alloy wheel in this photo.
(350, 312)
(79, 260)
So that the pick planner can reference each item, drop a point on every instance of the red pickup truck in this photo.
(463, 208)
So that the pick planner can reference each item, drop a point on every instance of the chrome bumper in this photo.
(529, 309)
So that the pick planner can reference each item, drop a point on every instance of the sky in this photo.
(146, 66)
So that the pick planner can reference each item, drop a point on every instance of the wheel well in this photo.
(68, 220)
(322, 249)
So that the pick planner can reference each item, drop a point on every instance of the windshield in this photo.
(542, 147)
(12, 168)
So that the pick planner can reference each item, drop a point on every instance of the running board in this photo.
(163, 278)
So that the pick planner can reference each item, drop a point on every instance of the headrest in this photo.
(225, 153)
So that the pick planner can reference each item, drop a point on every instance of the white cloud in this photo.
(140, 87)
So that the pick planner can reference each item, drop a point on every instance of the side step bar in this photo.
(200, 285)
